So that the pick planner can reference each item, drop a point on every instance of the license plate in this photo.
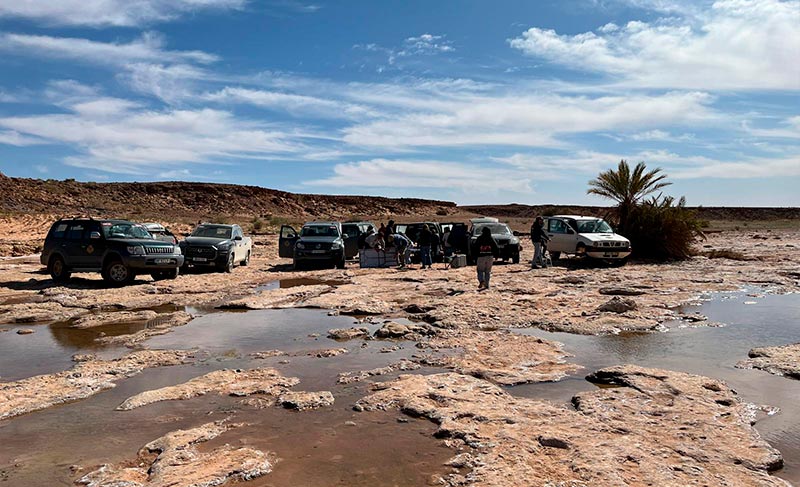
(611, 254)
(200, 259)
(163, 261)
(317, 251)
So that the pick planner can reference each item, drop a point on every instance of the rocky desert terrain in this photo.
(268, 376)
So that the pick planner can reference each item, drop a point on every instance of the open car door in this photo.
(288, 238)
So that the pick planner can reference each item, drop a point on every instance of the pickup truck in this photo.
(217, 245)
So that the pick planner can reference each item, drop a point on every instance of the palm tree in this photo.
(626, 187)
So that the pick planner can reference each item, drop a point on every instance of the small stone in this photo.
(25, 331)
(618, 305)
(554, 442)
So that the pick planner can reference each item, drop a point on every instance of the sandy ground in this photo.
(704, 432)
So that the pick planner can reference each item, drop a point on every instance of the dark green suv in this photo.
(118, 249)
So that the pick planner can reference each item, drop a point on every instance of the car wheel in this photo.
(341, 263)
(229, 265)
(515, 258)
(117, 273)
(58, 269)
(246, 259)
(297, 265)
(555, 255)
(619, 262)
(580, 250)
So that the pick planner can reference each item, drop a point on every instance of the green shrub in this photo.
(660, 228)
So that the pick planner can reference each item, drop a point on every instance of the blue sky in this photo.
(468, 101)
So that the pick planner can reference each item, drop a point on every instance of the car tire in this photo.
(117, 273)
(246, 260)
(297, 265)
(580, 250)
(58, 270)
(341, 263)
(515, 258)
(619, 262)
(229, 265)
(555, 255)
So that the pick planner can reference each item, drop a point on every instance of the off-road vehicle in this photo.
(317, 242)
(508, 243)
(585, 236)
(118, 249)
(217, 245)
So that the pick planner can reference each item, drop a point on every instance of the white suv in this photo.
(585, 235)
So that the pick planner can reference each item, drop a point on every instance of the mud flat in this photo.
(655, 428)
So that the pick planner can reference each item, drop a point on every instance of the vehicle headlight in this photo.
(224, 246)
(176, 250)
(136, 250)
(300, 245)
(514, 241)
(336, 246)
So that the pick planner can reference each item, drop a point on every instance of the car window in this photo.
(124, 230)
(594, 226)
(319, 231)
(60, 230)
(212, 231)
(496, 228)
(287, 232)
(556, 226)
(350, 230)
(75, 231)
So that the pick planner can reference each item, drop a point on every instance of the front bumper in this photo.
(220, 259)
(316, 255)
(154, 262)
(509, 251)
(608, 253)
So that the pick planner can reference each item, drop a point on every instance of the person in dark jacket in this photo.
(539, 238)
(425, 242)
(486, 249)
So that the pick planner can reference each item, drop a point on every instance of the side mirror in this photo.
(291, 235)
(345, 236)
(516, 233)
(238, 237)
(94, 235)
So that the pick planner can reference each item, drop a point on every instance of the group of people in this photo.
(485, 248)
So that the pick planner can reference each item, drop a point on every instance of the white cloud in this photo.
(387, 173)
(12, 137)
(290, 102)
(148, 48)
(427, 44)
(750, 168)
(119, 136)
(737, 44)
(531, 120)
(102, 13)
(788, 129)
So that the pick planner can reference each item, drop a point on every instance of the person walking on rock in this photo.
(539, 238)
(485, 247)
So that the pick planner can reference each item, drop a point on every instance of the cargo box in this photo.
(458, 260)
(371, 258)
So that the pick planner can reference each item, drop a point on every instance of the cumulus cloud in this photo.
(105, 13)
(736, 44)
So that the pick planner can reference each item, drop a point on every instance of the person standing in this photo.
(486, 249)
(425, 242)
(539, 238)
(448, 248)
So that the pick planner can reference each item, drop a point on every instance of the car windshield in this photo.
(496, 228)
(319, 231)
(125, 230)
(212, 231)
(594, 226)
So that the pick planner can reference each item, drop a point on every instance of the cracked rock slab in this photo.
(302, 401)
(161, 324)
(278, 298)
(656, 428)
(234, 382)
(113, 318)
(83, 380)
(175, 461)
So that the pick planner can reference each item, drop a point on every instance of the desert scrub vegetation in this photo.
(658, 227)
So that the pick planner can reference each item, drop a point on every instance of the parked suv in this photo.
(316, 242)
(587, 236)
(118, 249)
(508, 243)
(217, 245)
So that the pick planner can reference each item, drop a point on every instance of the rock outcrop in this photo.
(784, 360)
(656, 428)
(175, 461)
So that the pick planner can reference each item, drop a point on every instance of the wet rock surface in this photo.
(174, 460)
(158, 325)
(302, 401)
(350, 377)
(110, 318)
(503, 357)
(265, 381)
(783, 360)
(658, 428)
(348, 333)
(83, 380)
